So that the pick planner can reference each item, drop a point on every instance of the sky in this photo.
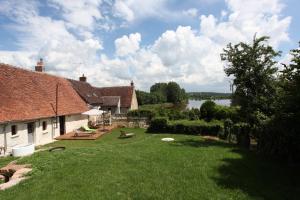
(113, 42)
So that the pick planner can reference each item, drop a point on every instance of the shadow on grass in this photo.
(259, 177)
(256, 176)
(200, 143)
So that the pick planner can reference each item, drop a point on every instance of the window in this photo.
(13, 129)
(44, 125)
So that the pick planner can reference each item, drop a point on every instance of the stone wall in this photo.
(131, 122)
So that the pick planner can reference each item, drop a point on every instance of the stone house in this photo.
(36, 107)
(118, 99)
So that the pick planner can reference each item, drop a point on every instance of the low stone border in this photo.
(14, 174)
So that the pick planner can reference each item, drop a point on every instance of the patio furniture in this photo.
(93, 125)
(86, 128)
(79, 133)
(125, 135)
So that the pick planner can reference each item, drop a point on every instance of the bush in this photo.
(228, 124)
(158, 124)
(213, 128)
(207, 110)
(141, 113)
(242, 132)
(278, 138)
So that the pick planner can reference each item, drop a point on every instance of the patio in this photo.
(86, 136)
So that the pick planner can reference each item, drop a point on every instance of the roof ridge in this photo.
(32, 71)
(113, 87)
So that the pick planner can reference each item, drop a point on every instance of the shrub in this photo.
(213, 128)
(158, 124)
(226, 112)
(207, 110)
(228, 124)
(141, 113)
(242, 132)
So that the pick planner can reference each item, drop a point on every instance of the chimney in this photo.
(39, 66)
(82, 78)
(132, 84)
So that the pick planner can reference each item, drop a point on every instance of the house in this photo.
(118, 99)
(36, 107)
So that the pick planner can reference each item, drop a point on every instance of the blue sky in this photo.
(113, 42)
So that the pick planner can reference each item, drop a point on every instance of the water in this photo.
(198, 103)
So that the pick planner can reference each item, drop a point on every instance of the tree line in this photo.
(208, 95)
(169, 92)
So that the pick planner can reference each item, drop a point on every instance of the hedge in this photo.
(141, 113)
(242, 132)
(196, 127)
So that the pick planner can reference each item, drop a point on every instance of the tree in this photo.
(175, 94)
(253, 69)
(281, 135)
(161, 90)
(208, 110)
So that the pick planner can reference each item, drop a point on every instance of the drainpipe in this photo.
(5, 138)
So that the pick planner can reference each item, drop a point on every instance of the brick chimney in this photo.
(132, 84)
(82, 78)
(40, 66)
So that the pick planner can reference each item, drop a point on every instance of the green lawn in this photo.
(144, 167)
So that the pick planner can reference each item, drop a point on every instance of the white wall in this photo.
(21, 138)
(41, 136)
(75, 121)
(45, 136)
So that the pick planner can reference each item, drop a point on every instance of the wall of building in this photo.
(41, 136)
(75, 121)
(134, 102)
(46, 136)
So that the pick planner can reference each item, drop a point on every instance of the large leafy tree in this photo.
(281, 136)
(160, 90)
(290, 84)
(175, 94)
(252, 67)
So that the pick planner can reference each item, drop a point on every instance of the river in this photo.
(198, 103)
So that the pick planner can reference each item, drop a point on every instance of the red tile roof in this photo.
(26, 95)
(92, 95)
(125, 93)
(86, 91)
(110, 100)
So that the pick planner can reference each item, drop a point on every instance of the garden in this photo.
(144, 167)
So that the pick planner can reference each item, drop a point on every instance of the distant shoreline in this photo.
(208, 95)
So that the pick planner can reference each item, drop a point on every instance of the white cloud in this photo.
(82, 13)
(128, 45)
(186, 55)
(245, 18)
(192, 57)
(192, 12)
(131, 10)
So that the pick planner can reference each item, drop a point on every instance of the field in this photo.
(144, 167)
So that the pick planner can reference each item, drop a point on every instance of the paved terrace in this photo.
(86, 136)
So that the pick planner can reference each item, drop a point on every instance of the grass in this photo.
(144, 167)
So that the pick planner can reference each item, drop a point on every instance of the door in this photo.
(62, 125)
(30, 131)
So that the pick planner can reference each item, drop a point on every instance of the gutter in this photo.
(5, 138)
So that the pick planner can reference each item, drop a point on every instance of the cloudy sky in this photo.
(147, 41)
